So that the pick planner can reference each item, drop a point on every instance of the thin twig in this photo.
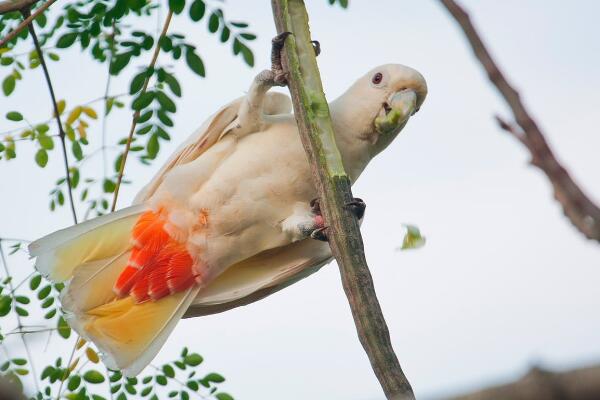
(19, 321)
(136, 115)
(106, 90)
(61, 132)
(583, 213)
(26, 22)
(333, 186)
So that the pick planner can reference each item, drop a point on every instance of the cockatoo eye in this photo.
(377, 78)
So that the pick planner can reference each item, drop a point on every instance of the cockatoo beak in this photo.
(396, 112)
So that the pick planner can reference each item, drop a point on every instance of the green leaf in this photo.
(173, 85)
(21, 311)
(142, 101)
(146, 391)
(66, 40)
(214, 377)
(192, 385)
(50, 314)
(177, 5)
(93, 376)
(19, 361)
(183, 395)
(14, 116)
(248, 55)
(152, 147)
(116, 376)
(64, 330)
(165, 102)
(193, 359)
(137, 82)
(248, 36)
(77, 152)
(42, 294)
(5, 304)
(22, 299)
(35, 282)
(48, 302)
(168, 371)
(197, 10)
(109, 186)
(225, 34)
(194, 62)
(8, 85)
(74, 382)
(46, 142)
(412, 238)
(213, 23)
(41, 158)
(161, 380)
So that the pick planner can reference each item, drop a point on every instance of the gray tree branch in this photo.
(577, 206)
(577, 384)
(333, 186)
(15, 5)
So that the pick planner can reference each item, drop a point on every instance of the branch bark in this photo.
(333, 185)
(578, 384)
(15, 5)
(583, 213)
(25, 23)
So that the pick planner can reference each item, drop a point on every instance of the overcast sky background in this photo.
(504, 281)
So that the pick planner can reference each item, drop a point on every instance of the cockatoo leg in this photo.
(357, 206)
(250, 115)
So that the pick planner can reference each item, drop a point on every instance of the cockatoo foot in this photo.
(278, 41)
(357, 206)
(317, 47)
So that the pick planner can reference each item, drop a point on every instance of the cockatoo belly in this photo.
(222, 208)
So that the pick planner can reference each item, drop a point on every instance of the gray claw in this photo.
(357, 206)
(316, 46)
(320, 234)
(276, 66)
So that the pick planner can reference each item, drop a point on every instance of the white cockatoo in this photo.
(226, 221)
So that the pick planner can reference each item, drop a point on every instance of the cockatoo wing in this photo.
(260, 276)
(210, 133)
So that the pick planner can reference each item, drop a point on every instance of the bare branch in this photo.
(578, 384)
(26, 22)
(15, 5)
(61, 131)
(578, 207)
(333, 186)
(136, 115)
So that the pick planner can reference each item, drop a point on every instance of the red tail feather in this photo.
(158, 265)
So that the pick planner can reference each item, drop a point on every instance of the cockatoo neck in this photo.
(354, 133)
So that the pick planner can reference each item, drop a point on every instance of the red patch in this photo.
(158, 265)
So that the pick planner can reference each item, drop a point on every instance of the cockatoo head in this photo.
(382, 102)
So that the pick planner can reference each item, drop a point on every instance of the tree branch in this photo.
(333, 186)
(15, 5)
(578, 384)
(61, 131)
(136, 115)
(578, 207)
(26, 22)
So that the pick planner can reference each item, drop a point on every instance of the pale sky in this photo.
(504, 280)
